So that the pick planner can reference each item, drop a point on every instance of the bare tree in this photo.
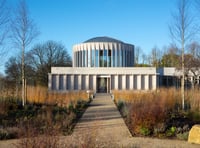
(4, 22)
(24, 32)
(155, 56)
(182, 29)
(43, 56)
(138, 54)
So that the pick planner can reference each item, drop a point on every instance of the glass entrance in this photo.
(103, 84)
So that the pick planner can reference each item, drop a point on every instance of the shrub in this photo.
(145, 131)
(183, 136)
(171, 131)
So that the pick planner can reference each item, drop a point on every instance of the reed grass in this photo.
(40, 94)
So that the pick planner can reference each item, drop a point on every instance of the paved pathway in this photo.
(102, 122)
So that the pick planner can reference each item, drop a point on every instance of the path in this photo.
(103, 122)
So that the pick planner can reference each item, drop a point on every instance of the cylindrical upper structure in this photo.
(103, 52)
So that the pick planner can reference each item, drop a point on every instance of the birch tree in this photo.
(24, 32)
(182, 29)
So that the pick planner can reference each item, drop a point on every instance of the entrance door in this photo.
(103, 84)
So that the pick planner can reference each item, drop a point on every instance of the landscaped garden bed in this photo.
(57, 115)
(159, 113)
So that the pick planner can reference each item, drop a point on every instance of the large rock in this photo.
(194, 135)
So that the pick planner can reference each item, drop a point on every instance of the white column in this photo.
(154, 82)
(57, 82)
(72, 82)
(123, 82)
(139, 82)
(131, 82)
(94, 82)
(116, 82)
(79, 82)
(87, 82)
(64, 82)
(49, 81)
(146, 82)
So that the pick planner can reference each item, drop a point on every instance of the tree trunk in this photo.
(23, 78)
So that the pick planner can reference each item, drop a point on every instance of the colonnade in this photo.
(64, 82)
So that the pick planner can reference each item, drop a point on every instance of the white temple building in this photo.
(103, 64)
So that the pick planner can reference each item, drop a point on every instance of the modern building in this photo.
(103, 64)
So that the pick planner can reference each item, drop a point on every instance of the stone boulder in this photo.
(194, 135)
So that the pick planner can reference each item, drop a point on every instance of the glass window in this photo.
(80, 59)
(86, 57)
(97, 58)
(113, 58)
(122, 58)
(61, 82)
(127, 82)
(101, 58)
(109, 58)
(93, 58)
(77, 58)
(83, 58)
(75, 82)
(89, 56)
(120, 82)
(105, 58)
(118, 57)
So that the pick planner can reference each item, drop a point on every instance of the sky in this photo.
(143, 23)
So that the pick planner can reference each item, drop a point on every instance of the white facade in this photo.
(102, 79)
(104, 64)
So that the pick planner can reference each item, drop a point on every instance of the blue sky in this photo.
(143, 23)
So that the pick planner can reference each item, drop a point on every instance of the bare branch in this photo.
(4, 22)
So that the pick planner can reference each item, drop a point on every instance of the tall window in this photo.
(93, 57)
(113, 58)
(109, 58)
(80, 59)
(105, 58)
(97, 58)
(83, 58)
(89, 57)
(101, 58)
(86, 58)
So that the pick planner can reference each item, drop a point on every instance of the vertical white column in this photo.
(146, 82)
(57, 82)
(154, 82)
(72, 82)
(123, 82)
(131, 82)
(139, 82)
(94, 82)
(64, 82)
(79, 82)
(49, 81)
(87, 82)
(116, 82)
